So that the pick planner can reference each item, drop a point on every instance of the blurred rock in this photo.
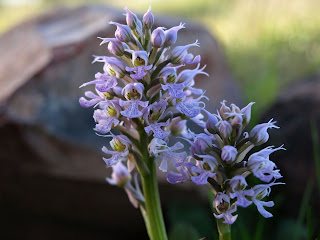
(295, 111)
(51, 172)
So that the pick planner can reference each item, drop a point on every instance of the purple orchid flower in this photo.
(262, 167)
(238, 185)
(140, 61)
(259, 134)
(156, 129)
(224, 209)
(180, 54)
(160, 149)
(260, 192)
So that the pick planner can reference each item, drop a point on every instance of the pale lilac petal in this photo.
(260, 206)
(88, 103)
(174, 178)
(190, 109)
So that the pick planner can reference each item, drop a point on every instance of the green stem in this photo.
(153, 215)
(224, 230)
(155, 222)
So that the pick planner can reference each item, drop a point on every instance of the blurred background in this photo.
(51, 172)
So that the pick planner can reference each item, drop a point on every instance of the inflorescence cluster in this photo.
(146, 94)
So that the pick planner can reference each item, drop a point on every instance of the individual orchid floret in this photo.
(211, 124)
(120, 175)
(175, 89)
(229, 153)
(107, 118)
(156, 128)
(224, 209)
(104, 82)
(169, 74)
(139, 60)
(187, 76)
(148, 19)
(179, 127)
(132, 20)
(246, 113)
(133, 92)
(202, 174)
(171, 34)
(235, 119)
(262, 167)
(115, 46)
(183, 175)
(201, 144)
(112, 65)
(121, 145)
(155, 111)
(191, 108)
(259, 134)
(225, 129)
(260, 192)
(94, 99)
(123, 32)
(238, 184)
(158, 37)
(180, 55)
(160, 150)
(224, 110)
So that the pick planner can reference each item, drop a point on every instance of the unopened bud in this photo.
(229, 153)
(158, 37)
(148, 19)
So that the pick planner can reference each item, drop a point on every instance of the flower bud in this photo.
(224, 110)
(148, 19)
(211, 124)
(123, 32)
(225, 129)
(229, 153)
(259, 134)
(171, 35)
(132, 20)
(120, 175)
(202, 143)
(158, 37)
(246, 111)
(115, 46)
